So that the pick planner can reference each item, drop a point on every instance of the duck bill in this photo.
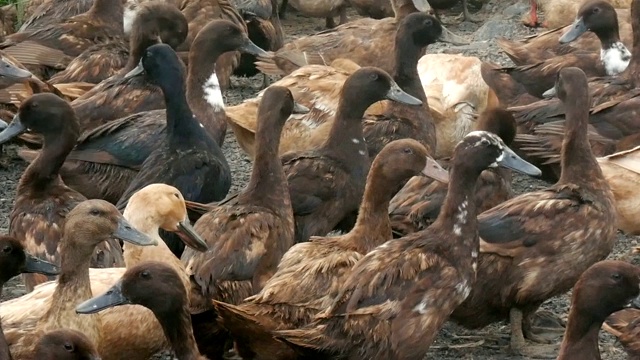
(37, 266)
(113, 297)
(397, 94)
(250, 48)
(551, 93)
(136, 71)
(433, 170)
(190, 237)
(10, 71)
(299, 108)
(634, 303)
(12, 130)
(511, 160)
(449, 37)
(421, 5)
(126, 232)
(577, 29)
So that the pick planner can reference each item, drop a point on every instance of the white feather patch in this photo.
(212, 92)
(615, 59)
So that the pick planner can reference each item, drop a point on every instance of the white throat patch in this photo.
(615, 59)
(213, 93)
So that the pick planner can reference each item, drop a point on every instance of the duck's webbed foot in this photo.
(519, 345)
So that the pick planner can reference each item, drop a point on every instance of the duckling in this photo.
(48, 50)
(418, 203)
(120, 96)
(50, 12)
(396, 298)
(615, 284)
(128, 331)
(43, 201)
(65, 344)
(88, 224)
(318, 267)
(157, 287)
(367, 42)
(15, 261)
(553, 234)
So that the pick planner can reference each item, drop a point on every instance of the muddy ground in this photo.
(499, 18)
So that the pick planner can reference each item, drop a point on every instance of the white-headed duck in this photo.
(320, 266)
(536, 245)
(397, 297)
(65, 344)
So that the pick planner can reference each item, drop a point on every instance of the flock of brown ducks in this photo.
(118, 108)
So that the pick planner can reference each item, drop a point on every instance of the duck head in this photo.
(166, 204)
(220, 36)
(401, 159)
(597, 16)
(15, 261)
(376, 84)
(65, 344)
(425, 30)
(156, 22)
(10, 73)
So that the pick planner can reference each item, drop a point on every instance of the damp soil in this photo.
(453, 342)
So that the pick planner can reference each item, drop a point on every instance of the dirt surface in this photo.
(498, 19)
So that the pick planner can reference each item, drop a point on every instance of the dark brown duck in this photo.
(65, 344)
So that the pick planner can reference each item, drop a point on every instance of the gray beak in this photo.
(12, 130)
(551, 93)
(37, 266)
(113, 297)
(299, 108)
(511, 160)
(188, 235)
(126, 232)
(250, 48)
(136, 71)
(433, 170)
(11, 74)
(397, 94)
(577, 29)
(449, 37)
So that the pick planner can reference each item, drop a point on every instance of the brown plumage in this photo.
(536, 245)
(603, 289)
(118, 96)
(319, 8)
(418, 203)
(42, 13)
(88, 224)
(320, 266)
(95, 64)
(50, 49)
(508, 91)
(65, 344)
(376, 9)
(396, 298)
(43, 200)
(625, 325)
(159, 288)
(15, 261)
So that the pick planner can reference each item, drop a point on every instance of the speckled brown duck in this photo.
(320, 266)
(48, 50)
(397, 297)
(418, 203)
(605, 288)
(13, 262)
(42, 199)
(159, 288)
(535, 246)
(65, 344)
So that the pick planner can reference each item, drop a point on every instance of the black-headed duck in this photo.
(88, 224)
(128, 331)
(604, 288)
(157, 287)
(43, 201)
(320, 206)
(65, 344)
(536, 245)
(319, 266)
(13, 262)
(367, 42)
(418, 203)
(48, 50)
(397, 297)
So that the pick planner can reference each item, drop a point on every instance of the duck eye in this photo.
(616, 276)
(407, 151)
(596, 10)
(7, 249)
(428, 22)
(484, 142)
(68, 347)
(373, 76)
(176, 195)
(94, 212)
(145, 274)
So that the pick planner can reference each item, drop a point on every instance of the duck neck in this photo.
(181, 122)
(405, 73)
(579, 166)
(44, 169)
(346, 131)
(146, 223)
(633, 70)
(178, 330)
(581, 337)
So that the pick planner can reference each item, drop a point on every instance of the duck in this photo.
(558, 13)
(43, 201)
(367, 42)
(158, 288)
(40, 14)
(418, 203)
(416, 281)
(119, 96)
(13, 262)
(320, 9)
(88, 224)
(11, 72)
(512, 262)
(375, 9)
(48, 50)
(65, 344)
(318, 266)
(156, 206)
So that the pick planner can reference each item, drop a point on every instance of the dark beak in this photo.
(448, 37)
(299, 108)
(511, 160)
(136, 71)
(250, 48)
(14, 129)
(577, 29)
(397, 94)
(188, 235)
(113, 297)
(433, 170)
(126, 232)
(37, 266)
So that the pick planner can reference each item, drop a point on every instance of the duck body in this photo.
(52, 12)
(375, 9)
(324, 9)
